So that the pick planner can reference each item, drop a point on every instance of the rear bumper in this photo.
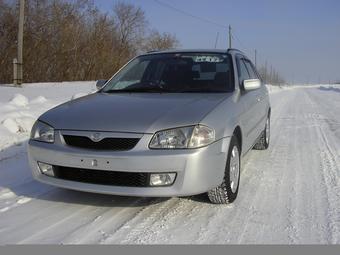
(198, 170)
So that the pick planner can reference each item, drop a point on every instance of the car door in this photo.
(250, 117)
(261, 107)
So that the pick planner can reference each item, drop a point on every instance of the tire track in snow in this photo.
(306, 210)
(87, 229)
(141, 223)
(260, 170)
(107, 222)
(182, 224)
(56, 225)
(15, 227)
(22, 194)
(40, 234)
(326, 170)
(288, 188)
(330, 179)
(279, 198)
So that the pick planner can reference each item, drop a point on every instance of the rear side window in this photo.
(251, 70)
(243, 73)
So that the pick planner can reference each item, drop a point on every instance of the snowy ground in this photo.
(288, 194)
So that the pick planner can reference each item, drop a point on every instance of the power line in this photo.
(232, 34)
(189, 14)
(249, 51)
(240, 42)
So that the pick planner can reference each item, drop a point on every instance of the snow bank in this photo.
(11, 125)
(19, 100)
(39, 100)
(18, 125)
(20, 107)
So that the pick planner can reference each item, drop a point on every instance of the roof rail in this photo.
(152, 51)
(232, 49)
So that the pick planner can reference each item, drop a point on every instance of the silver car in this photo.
(170, 123)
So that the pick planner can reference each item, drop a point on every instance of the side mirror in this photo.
(251, 84)
(100, 84)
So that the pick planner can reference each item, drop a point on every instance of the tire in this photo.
(227, 192)
(263, 142)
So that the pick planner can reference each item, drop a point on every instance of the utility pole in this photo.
(218, 34)
(18, 63)
(266, 72)
(293, 79)
(255, 58)
(229, 36)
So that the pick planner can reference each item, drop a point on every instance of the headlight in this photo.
(183, 138)
(42, 132)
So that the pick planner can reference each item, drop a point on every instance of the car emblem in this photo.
(96, 137)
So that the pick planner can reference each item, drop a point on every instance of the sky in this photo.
(300, 39)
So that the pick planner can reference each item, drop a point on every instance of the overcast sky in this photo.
(300, 38)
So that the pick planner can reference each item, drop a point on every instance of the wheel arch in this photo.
(238, 134)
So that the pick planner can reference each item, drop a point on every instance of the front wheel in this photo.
(226, 193)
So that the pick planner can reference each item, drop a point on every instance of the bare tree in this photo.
(130, 24)
(74, 40)
(270, 76)
(158, 41)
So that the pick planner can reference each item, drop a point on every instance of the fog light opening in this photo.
(46, 169)
(164, 179)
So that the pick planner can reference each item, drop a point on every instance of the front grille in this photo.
(113, 144)
(102, 177)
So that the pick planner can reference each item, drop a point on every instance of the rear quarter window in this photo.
(242, 70)
(251, 70)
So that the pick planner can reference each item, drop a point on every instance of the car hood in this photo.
(134, 112)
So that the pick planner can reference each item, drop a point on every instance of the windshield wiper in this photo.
(202, 91)
(139, 90)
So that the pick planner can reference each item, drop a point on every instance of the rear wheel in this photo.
(227, 192)
(263, 142)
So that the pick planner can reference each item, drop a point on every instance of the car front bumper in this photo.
(198, 170)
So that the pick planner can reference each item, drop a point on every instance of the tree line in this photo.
(270, 75)
(75, 40)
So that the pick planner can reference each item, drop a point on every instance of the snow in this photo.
(19, 100)
(11, 125)
(20, 107)
(39, 100)
(289, 194)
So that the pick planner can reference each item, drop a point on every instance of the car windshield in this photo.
(174, 73)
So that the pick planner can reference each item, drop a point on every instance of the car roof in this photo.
(220, 51)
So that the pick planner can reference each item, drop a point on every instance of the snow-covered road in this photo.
(288, 194)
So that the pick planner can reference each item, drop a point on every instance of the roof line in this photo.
(192, 51)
